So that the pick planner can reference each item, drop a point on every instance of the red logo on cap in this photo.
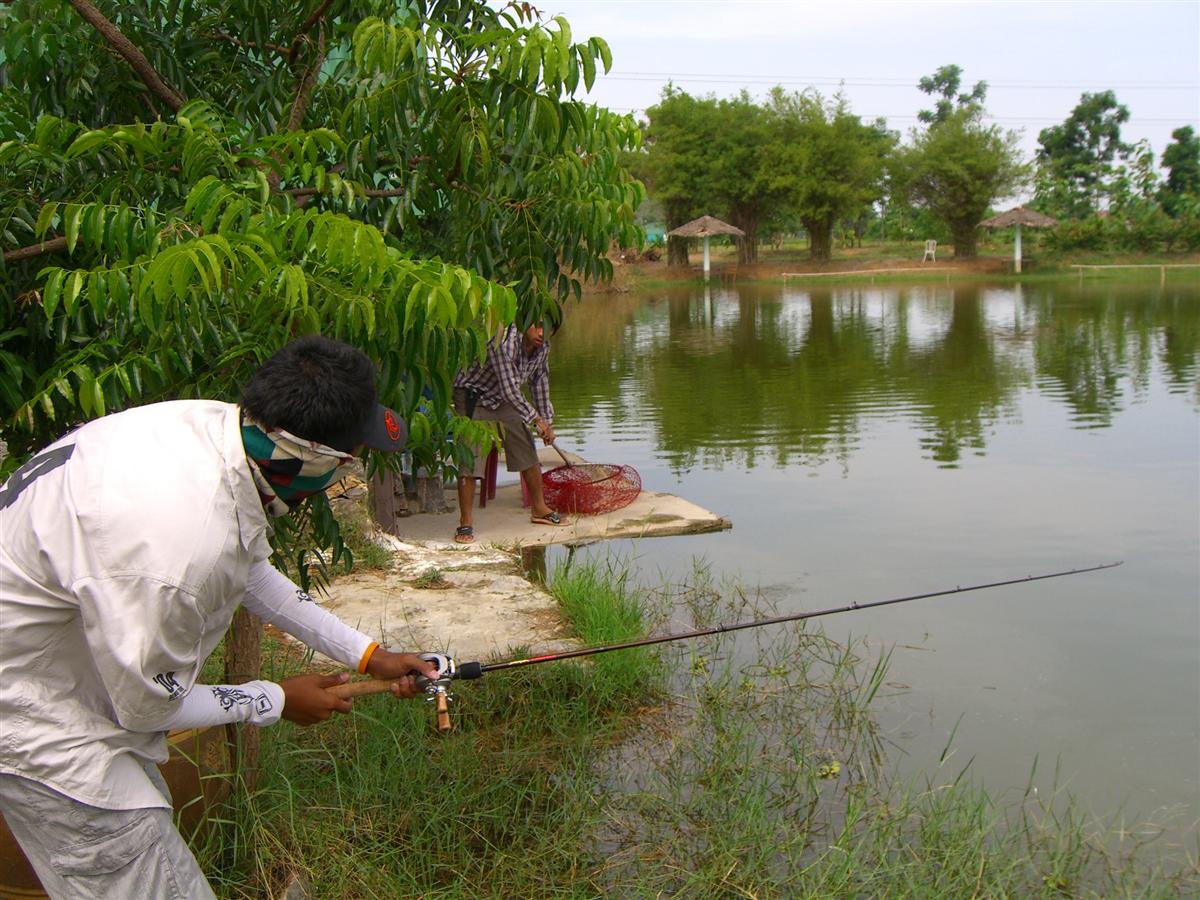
(393, 427)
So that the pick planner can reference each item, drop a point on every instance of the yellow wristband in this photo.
(366, 657)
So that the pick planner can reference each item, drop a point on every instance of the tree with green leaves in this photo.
(712, 156)
(1077, 161)
(679, 161)
(943, 85)
(795, 157)
(1181, 160)
(743, 169)
(829, 163)
(958, 166)
(186, 184)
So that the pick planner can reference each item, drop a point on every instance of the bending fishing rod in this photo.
(449, 670)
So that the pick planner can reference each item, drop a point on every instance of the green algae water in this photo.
(872, 441)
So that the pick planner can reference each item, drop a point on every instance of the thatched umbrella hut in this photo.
(1019, 216)
(705, 227)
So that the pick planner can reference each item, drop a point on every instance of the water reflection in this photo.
(873, 441)
(760, 375)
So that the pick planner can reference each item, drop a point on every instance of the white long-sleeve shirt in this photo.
(125, 548)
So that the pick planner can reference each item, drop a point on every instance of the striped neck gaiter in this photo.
(286, 468)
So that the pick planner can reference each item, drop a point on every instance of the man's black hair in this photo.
(316, 388)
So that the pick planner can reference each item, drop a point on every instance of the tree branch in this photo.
(318, 14)
(372, 192)
(51, 246)
(247, 45)
(132, 54)
(307, 82)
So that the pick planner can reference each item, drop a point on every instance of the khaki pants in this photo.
(84, 852)
(519, 451)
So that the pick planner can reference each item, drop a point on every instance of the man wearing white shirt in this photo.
(125, 548)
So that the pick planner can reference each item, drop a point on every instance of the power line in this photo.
(759, 78)
(1012, 120)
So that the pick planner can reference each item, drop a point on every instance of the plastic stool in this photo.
(487, 486)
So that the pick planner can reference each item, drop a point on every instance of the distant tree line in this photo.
(799, 161)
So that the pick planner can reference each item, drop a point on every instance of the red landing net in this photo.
(590, 488)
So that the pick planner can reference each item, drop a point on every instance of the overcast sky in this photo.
(1037, 57)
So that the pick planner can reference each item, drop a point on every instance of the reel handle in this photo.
(443, 713)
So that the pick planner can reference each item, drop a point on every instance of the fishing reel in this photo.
(437, 689)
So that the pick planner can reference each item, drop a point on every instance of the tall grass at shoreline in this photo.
(732, 766)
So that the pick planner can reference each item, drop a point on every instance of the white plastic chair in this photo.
(930, 252)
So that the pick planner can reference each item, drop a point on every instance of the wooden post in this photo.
(1017, 252)
(706, 257)
(382, 491)
(243, 662)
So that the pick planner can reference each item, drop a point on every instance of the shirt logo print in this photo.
(169, 683)
(228, 696)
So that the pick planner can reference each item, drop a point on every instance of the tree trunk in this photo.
(748, 249)
(747, 245)
(387, 499)
(243, 662)
(820, 236)
(677, 252)
(964, 237)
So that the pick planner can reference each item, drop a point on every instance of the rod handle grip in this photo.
(443, 714)
(362, 688)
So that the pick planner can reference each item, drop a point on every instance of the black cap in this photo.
(384, 430)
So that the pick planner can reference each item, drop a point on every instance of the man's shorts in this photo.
(519, 451)
(80, 851)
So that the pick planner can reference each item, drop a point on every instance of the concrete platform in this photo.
(472, 603)
(473, 600)
(504, 522)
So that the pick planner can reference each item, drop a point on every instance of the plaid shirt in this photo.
(507, 368)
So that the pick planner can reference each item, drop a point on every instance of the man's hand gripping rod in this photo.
(435, 688)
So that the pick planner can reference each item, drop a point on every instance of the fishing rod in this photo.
(448, 670)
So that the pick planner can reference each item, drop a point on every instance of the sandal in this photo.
(550, 518)
(464, 534)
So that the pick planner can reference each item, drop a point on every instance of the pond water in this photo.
(875, 441)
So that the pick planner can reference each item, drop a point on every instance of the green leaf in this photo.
(87, 141)
(53, 292)
(45, 218)
(118, 288)
(97, 291)
(589, 68)
(84, 390)
(411, 305)
(605, 54)
(74, 285)
(180, 274)
(98, 406)
(214, 267)
(71, 225)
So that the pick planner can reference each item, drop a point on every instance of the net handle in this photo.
(554, 444)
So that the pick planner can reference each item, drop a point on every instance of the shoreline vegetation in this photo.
(708, 768)
(896, 260)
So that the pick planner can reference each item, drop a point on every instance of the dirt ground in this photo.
(773, 265)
